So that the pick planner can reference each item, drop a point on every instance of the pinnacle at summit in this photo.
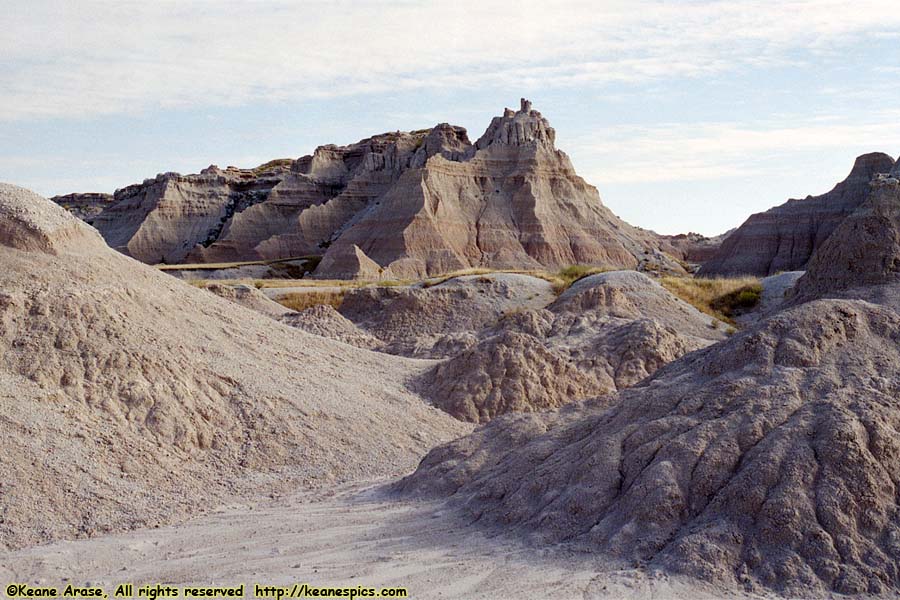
(524, 127)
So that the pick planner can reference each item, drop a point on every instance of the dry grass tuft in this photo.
(569, 275)
(300, 301)
(719, 298)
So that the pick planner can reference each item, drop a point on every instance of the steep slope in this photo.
(129, 398)
(770, 459)
(323, 192)
(785, 237)
(85, 206)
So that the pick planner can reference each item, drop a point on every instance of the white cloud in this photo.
(68, 59)
(709, 151)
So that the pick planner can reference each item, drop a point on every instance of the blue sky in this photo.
(686, 115)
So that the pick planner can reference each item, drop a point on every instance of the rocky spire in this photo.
(523, 127)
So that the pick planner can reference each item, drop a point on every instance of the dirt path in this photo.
(351, 537)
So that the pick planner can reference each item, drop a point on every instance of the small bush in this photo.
(719, 298)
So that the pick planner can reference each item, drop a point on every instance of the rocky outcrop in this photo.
(511, 201)
(769, 460)
(30, 223)
(606, 332)
(785, 237)
(130, 399)
(163, 220)
(396, 205)
(441, 320)
(85, 206)
(694, 247)
(863, 251)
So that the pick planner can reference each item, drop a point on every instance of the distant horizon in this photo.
(686, 117)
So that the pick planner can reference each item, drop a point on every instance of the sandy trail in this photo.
(352, 536)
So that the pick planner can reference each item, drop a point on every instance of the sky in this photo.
(686, 115)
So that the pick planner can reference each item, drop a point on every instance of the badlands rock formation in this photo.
(606, 332)
(863, 251)
(694, 247)
(129, 398)
(770, 459)
(785, 237)
(325, 321)
(510, 201)
(162, 220)
(441, 320)
(397, 205)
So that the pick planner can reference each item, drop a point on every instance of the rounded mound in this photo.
(249, 297)
(323, 320)
(129, 398)
(511, 372)
(633, 295)
(441, 320)
(770, 459)
(32, 223)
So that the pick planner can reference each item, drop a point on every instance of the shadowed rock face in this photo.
(863, 251)
(396, 205)
(85, 206)
(785, 237)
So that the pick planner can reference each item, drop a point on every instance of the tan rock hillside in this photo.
(85, 206)
(785, 237)
(402, 205)
(130, 398)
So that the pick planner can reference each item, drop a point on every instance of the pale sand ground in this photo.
(353, 536)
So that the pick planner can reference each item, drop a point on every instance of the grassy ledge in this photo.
(719, 298)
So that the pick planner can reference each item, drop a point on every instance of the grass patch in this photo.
(719, 298)
(300, 301)
(310, 263)
(569, 275)
(560, 280)
(278, 162)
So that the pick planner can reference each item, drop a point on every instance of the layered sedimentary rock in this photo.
(863, 251)
(511, 201)
(403, 204)
(694, 247)
(85, 206)
(162, 220)
(785, 237)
